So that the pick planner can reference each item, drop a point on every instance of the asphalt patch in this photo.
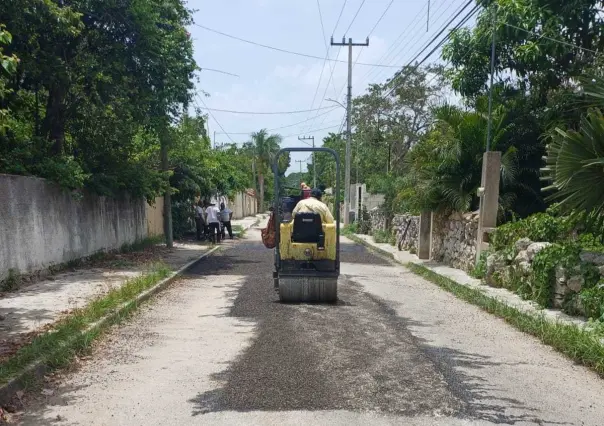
(355, 355)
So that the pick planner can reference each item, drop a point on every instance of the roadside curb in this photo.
(39, 368)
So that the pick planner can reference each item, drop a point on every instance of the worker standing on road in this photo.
(314, 205)
(212, 214)
(225, 217)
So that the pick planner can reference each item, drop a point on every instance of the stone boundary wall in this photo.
(406, 229)
(453, 236)
(454, 239)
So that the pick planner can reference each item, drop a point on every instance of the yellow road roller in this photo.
(307, 251)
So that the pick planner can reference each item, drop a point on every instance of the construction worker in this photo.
(314, 205)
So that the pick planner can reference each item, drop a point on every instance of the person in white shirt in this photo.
(225, 217)
(212, 214)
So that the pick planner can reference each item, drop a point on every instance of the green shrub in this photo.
(381, 236)
(364, 222)
(538, 227)
(480, 270)
(351, 228)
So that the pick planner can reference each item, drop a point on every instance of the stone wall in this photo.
(454, 239)
(453, 236)
(377, 219)
(42, 225)
(406, 229)
(501, 271)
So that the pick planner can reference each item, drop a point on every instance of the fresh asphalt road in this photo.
(217, 348)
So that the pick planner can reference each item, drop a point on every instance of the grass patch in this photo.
(12, 282)
(239, 230)
(66, 339)
(582, 346)
(350, 229)
(381, 236)
(141, 245)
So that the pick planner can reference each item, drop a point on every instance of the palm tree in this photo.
(445, 168)
(575, 166)
(265, 148)
(575, 159)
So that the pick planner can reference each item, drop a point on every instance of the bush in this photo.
(380, 236)
(364, 222)
(539, 227)
(480, 270)
(183, 218)
(592, 300)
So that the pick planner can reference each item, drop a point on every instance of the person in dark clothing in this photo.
(225, 217)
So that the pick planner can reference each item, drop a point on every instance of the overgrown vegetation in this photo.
(570, 236)
(71, 335)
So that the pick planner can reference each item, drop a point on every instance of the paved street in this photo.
(217, 348)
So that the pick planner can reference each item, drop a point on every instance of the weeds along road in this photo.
(217, 348)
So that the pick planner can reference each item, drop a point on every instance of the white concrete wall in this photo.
(42, 225)
(368, 200)
(243, 205)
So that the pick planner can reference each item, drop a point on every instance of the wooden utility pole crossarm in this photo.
(350, 45)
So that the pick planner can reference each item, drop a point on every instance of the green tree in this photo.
(265, 148)
(98, 85)
(391, 117)
(8, 66)
(444, 169)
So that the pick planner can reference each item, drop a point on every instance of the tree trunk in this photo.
(54, 121)
(261, 185)
(167, 196)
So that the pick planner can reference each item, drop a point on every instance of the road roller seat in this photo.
(308, 228)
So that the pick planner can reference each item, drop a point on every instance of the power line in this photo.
(355, 17)
(400, 54)
(312, 131)
(278, 49)
(549, 38)
(285, 127)
(340, 16)
(394, 44)
(218, 71)
(336, 93)
(212, 115)
(266, 112)
(463, 21)
(381, 17)
(324, 61)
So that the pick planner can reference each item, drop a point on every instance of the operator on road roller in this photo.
(313, 204)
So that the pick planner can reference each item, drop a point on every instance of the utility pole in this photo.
(300, 161)
(490, 122)
(350, 45)
(164, 141)
(314, 164)
(214, 138)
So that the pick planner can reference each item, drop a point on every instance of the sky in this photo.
(273, 81)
